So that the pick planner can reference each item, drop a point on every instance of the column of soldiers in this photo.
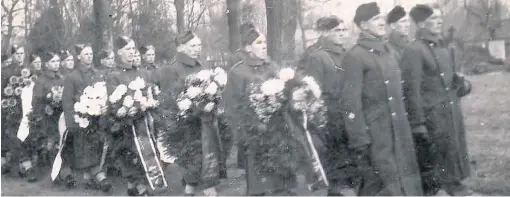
(394, 120)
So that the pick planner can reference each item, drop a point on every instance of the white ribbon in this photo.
(26, 105)
(57, 163)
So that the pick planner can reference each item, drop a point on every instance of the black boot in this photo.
(105, 186)
(70, 182)
(31, 175)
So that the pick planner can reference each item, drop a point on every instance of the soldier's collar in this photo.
(426, 35)
(51, 74)
(397, 38)
(372, 43)
(85, 69)
(330, 46)
(251, 61)
(186, 59)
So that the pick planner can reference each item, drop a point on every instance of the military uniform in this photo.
(375, 118)
(433, 92)
(398, 43)
(326, 66)
(87, 146)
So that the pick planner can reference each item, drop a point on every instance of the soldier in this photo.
(148, 53)
(87, 146)
(375, 118)
(325, 65)
(433, 90)
(399, 23)
(106, 63)
(66, 62)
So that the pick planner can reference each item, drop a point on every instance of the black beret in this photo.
(104, 53)
(64, 54)
(32, 58)
(5, 57)
(46, 57)
(145, 48)
(365, 12)
(420, 13)
(395, 14)
(327, 23)
(248, 34)
(120, 42)
(184, 37)
(79, 47)
(15, 48)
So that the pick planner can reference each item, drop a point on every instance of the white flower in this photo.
(128, 101)
(221, 79)
(80, 108)
(272, 86)
(286, 74)
(122, 112)
(299, 94)
(132, 111)
(156, 90)
(204, 75)
(117, 94)
(137, 84)
(313, 86)
(219, 70)
(209, 107)
(184, 104)
(88, 91)
(193, 92)
(100, 84)
(138, 96)
(82, 122)
(94, 110)
(211, 89)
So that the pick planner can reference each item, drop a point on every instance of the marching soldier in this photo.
(374, 115)
(433, 89)
(66, 62)
(325, 65)
(87, 146)
(106, 63)
(399, 23)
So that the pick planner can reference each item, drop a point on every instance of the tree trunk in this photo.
(103, 26)
(10, 28)
(179, 7)
(301, 28)
(274, 29)
(234, 20)
(289, 16)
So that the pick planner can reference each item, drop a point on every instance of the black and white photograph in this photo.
(255, 98)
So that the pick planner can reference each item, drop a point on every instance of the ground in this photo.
(487, 119)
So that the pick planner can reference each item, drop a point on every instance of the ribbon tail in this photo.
(316, 162)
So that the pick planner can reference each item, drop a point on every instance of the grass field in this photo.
(487, 119)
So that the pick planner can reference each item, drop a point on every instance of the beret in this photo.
(146, 48)
(248, 34)
(64, 54)
(420, 13)
(15, 48)
(184, 37)
(327, 23)
(395, 14)
(104, 53)
(79, 47)
(365, 12)
(46, 57)
(120, 42)
(32, 58)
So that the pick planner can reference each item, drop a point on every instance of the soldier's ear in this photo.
(248, 48)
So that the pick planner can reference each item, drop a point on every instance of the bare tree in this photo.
(103, 24)
(274, 29)
(234, 19)
(10, 12)
(289, 25)
(488, 14)
(179, 7)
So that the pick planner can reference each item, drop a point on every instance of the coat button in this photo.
(386, 82)
(447, 88)
(451, 102)
(442, 74)
(371, 50)
(351, 116)
(393, 114)
(402, 81)
(390, 98)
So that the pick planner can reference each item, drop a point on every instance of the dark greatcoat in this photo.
(87, 146)
(398, 43)
(243, 118)
(325, 65)
(432, 90)
(375, 116)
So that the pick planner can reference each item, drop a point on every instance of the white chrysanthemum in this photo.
(88, 90)
(80, 108)
(137, 84)
(209, 107)
(184, 104)
(128, 101)
(117, 94)
(122, 112)
(204, 75)
(100, 84)
(82, 122)
(313, 86)
(138, 96)
(132, 111)
(272, 86)
(94, 110)
(221, 79)
(286, 74)
(193, 92)
(156, 90)
(219, 70)
(150, 93)
(211, 89)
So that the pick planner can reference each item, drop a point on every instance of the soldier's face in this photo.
(108, 61)
(68, 63)
(127, 52)
(375, 26)
(19, 56)
(434, 23)
(402, 25)
(193, 47)
(137, 61)
(53, 64)
(338, 34)
(86, 56)
(36, 64)
(259, 47)
(149, 56)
